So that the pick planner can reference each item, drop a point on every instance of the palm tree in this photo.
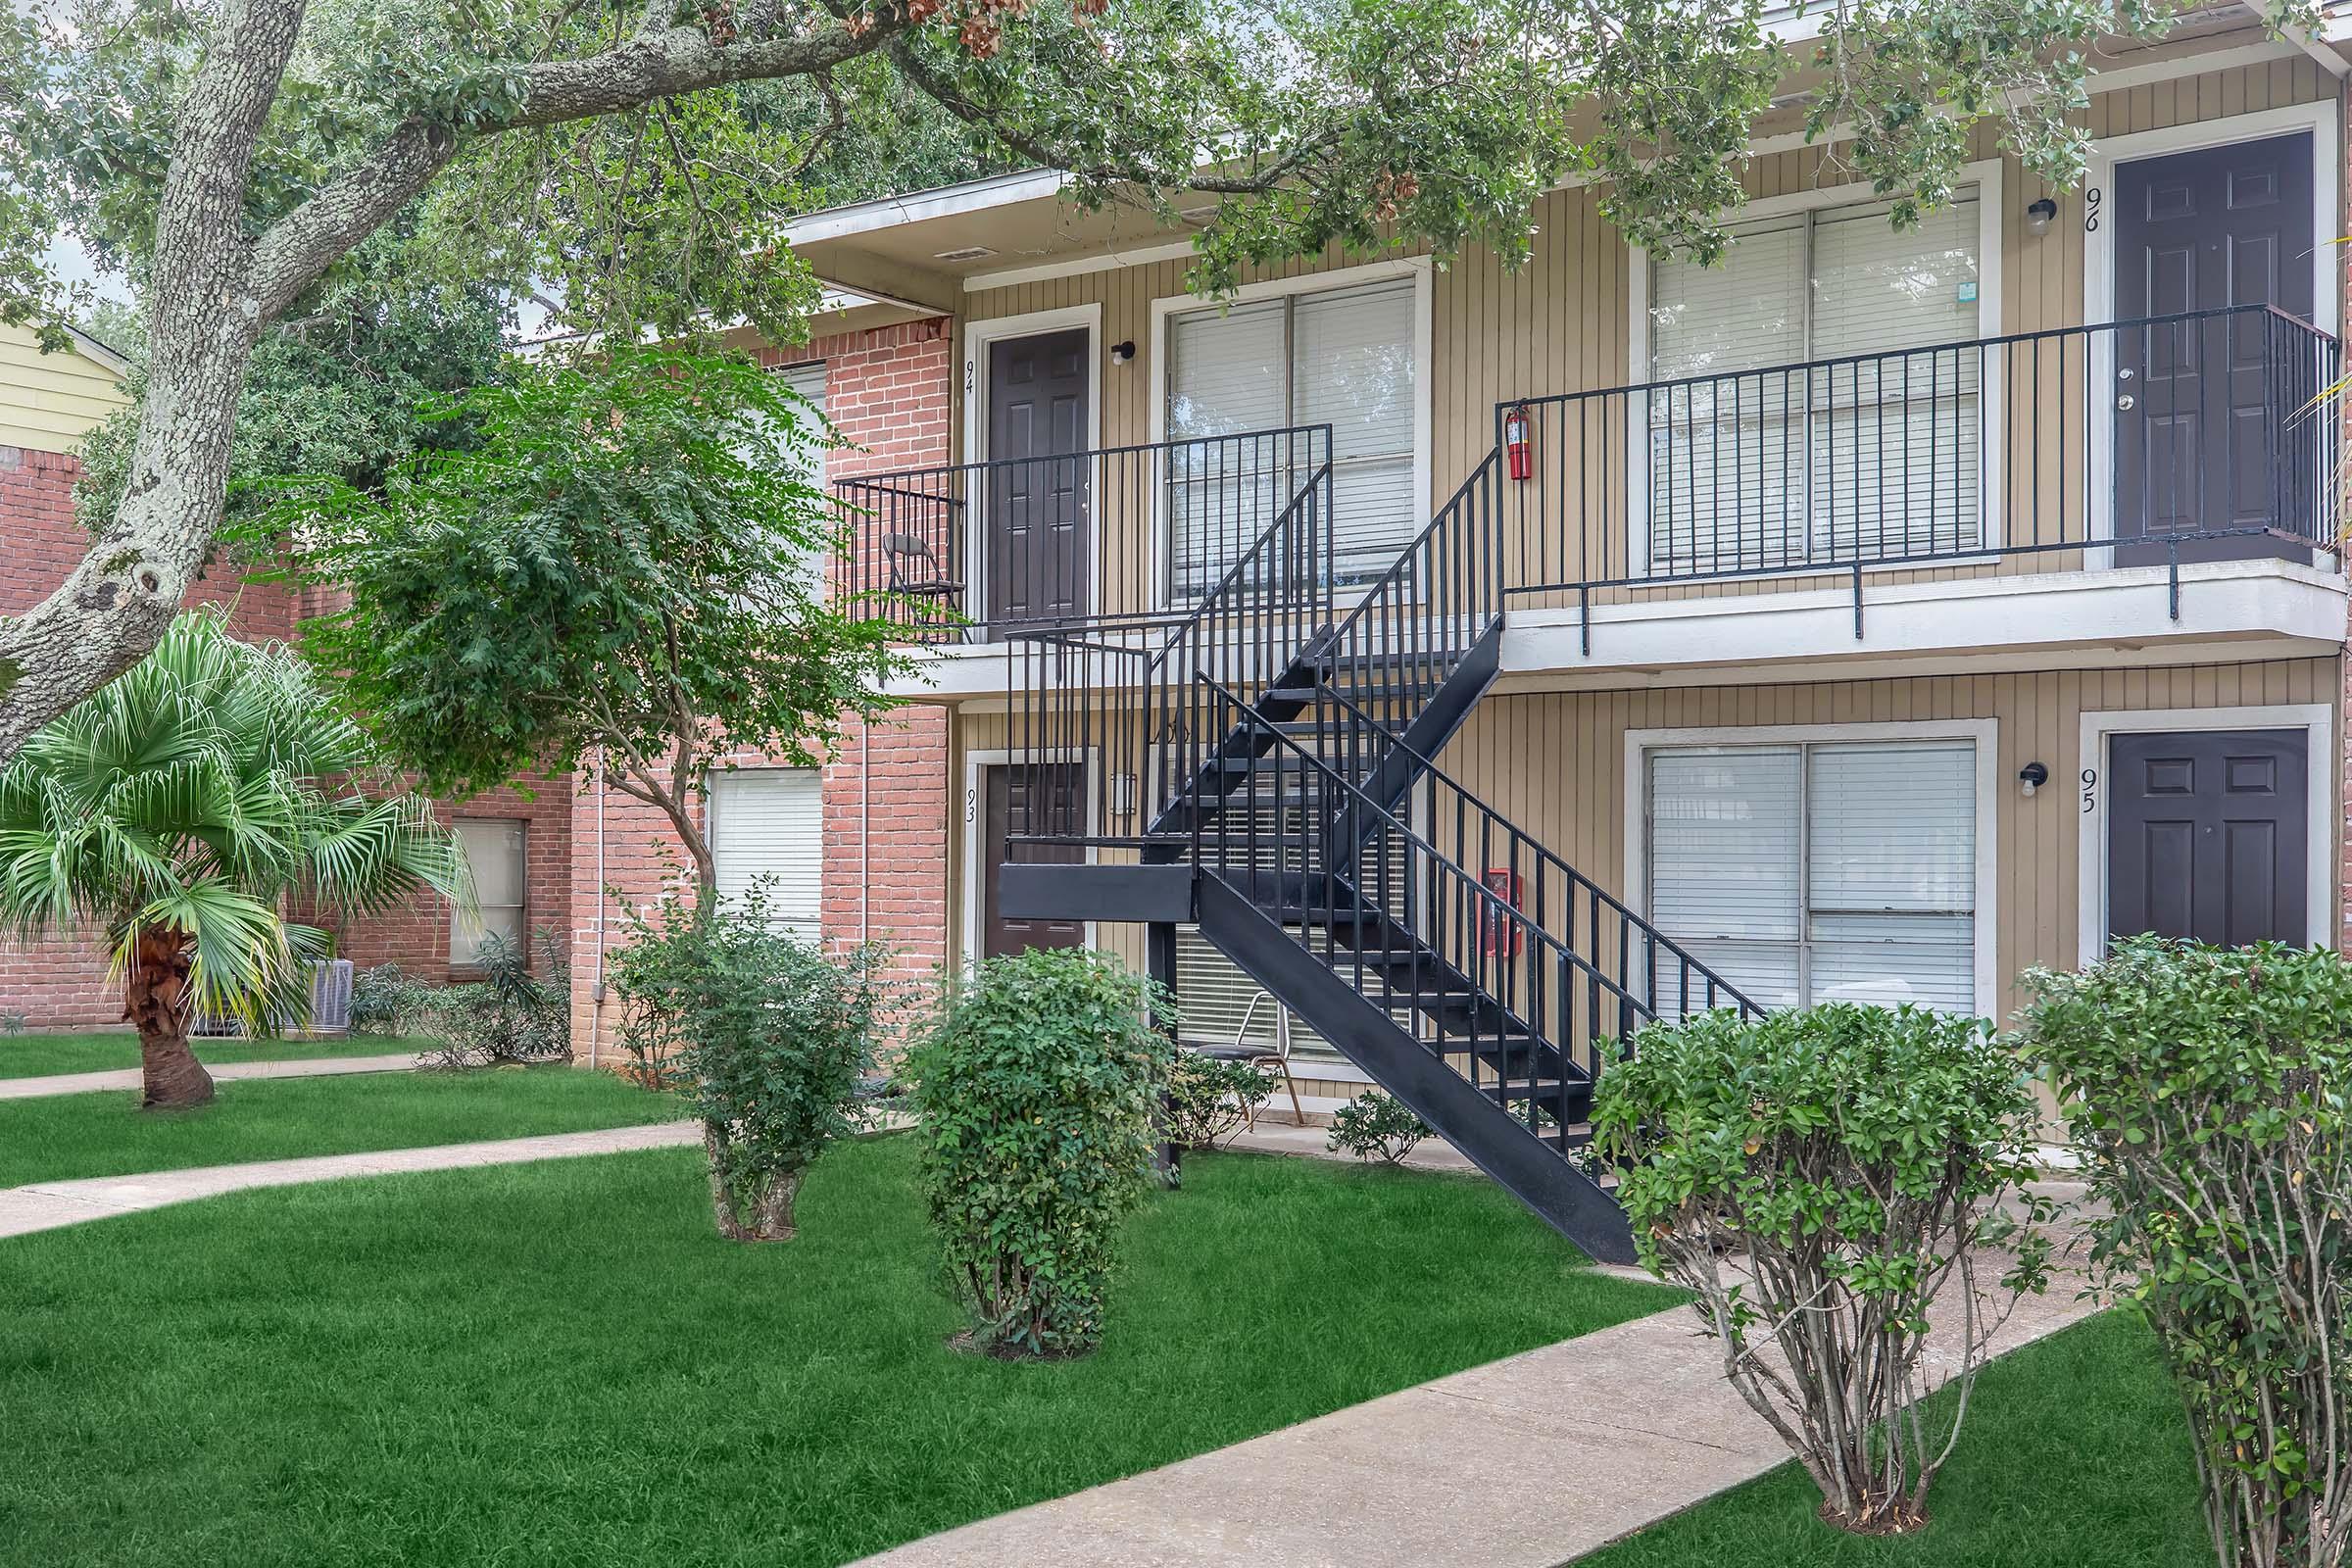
(184, 808)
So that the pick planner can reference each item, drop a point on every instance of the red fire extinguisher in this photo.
(1514, 443)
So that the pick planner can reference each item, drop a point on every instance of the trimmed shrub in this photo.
(1376, 1125)
(771, 1038)
(1209, 1098)
(1817, 1179)
(2206, 1091)
(1036, 1090)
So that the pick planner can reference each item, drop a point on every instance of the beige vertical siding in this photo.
(1560, 324)
(1555, 763)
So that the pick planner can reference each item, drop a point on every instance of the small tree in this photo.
(181, 807)
(772, 1036)
(1036, 1091)
(627, 567)
(1816, 1178)
(2206, 1090)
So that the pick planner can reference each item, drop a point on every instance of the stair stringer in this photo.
(1487, 1135)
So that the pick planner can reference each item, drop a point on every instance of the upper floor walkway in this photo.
(2162, 488)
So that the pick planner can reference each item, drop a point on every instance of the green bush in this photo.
(1818, 1178)
(1036, 1090)
(385, 1000)
(1209, 1098)
(2206, 1091)
(772, 1040)
(511, 1016)
(1376, 1125)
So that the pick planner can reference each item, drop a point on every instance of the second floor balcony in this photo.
(2172, 477)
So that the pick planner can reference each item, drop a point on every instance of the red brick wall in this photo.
(60, 982)
(886, 835)
(417, 936)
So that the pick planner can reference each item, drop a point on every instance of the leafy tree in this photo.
(180, 809)
(235, 151)
(337, 391)
(626, 563)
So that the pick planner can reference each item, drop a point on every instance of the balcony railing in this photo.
(2156, 441)
(972, 550)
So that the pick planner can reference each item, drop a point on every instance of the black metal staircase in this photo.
(1263, 764)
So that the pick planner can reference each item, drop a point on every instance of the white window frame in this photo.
(976, 833)
(1991, 215)
(2320, 120)
(1418, 268)
(2316, 719)
(522, 911)
(1985, 732)
(978, 336)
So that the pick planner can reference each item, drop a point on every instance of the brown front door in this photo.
(1006, 797)
(1035, 490)
(2207, 835)
(2199, 426)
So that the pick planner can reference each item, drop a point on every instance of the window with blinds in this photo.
(1819, 402)
(1824, 871)
(806, 459)
(767, 827)
(1342, 357)
(495, 862)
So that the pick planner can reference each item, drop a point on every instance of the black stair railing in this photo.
(2210, 432)
(1664, 978)
(1100, 714)
(1527, 1015)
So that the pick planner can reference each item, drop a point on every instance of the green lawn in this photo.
(2075, 1455)
(44, 1055)
(106, 1134)
(562, 1364)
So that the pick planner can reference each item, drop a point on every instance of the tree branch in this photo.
(642, 69)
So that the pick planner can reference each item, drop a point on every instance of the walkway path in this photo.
(1626, 1426)
(85, 1083)
(48, 1206)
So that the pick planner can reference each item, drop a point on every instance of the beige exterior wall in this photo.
(1554, 763)
(48, 401)
(1562, 324)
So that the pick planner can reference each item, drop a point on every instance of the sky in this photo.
(72, 263)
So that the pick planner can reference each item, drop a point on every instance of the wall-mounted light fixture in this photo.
(2039, 216)
(1121, 352)
(2032, 776)
(1122, 794)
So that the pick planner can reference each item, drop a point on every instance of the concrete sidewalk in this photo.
(1631, 1425)
(49, 1206)
(87, 1083)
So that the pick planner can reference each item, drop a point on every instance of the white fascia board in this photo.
(2289, 610)
(948, 201)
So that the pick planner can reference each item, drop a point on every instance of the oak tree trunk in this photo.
(154, 1000)
(763, 1215)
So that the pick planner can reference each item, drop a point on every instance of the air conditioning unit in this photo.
(330, 996)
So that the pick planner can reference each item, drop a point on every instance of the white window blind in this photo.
(1768, 459)
(768, 827)
(1806, 873)
(494, 859)
(807, 457)
(1342, 357)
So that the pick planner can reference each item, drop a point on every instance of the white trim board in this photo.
(973, 808)
(978, 336)
(2090, 758)
(1421, 270)
(1983, 732)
